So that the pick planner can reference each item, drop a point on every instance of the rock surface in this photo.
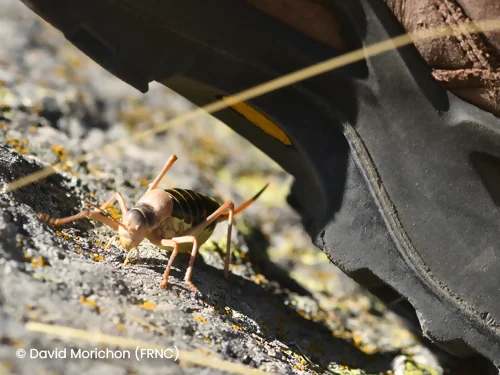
(285, 309)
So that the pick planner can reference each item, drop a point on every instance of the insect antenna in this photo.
(105, 213)
(240, 208)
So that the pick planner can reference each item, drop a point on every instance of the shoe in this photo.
(396, 158)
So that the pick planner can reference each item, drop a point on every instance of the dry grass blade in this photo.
(283, 81)
(145, 324)
(4, 370)
(68, 333)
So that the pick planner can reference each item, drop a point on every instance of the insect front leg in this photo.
(127, 259)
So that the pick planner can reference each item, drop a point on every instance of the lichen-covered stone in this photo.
(286, 308)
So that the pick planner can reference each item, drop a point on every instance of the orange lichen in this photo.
(200, 319)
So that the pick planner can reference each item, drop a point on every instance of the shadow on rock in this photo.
(51, 195)
(266, 307)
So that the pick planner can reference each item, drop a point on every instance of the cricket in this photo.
(176, 220)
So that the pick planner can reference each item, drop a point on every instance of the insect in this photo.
(178, 220)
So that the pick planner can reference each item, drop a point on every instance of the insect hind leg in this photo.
(227, 259)
(226, 208)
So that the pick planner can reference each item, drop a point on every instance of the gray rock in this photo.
(285, 309)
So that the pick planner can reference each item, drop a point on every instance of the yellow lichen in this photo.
(35, 262)
(97, 257)
(62, 156)
(60, 152)
(238, 328)
(66, 236)
(91, 303)
(366, 348)
(147, 305)
(20, 145)
(299, 367)
(50, 278)
(38, 262)
(200, 319)
(411, 367)
(304, 314)
(113, 211)
(259, 279)
(120, 327)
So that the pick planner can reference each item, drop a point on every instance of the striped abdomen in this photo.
(191, 207)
